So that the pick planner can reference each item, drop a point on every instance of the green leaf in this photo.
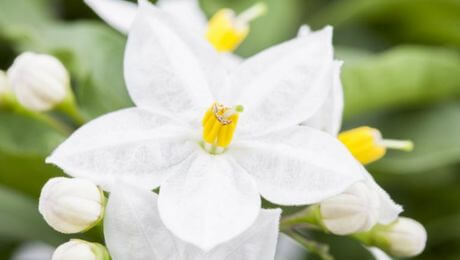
(434, 131)
(24, 144)
(91, 51)
(94, 55)
(402, 77)
(415, 21)
(19, 219)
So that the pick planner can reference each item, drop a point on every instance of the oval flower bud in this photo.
(77, 249)
(352, 211)
(39, 81)
(71, 205)
(403, 238)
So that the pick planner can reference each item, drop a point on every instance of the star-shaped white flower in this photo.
(174, 77)
(133, 230)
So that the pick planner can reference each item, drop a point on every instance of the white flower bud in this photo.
(77, 249)
(403, 238)
(352, 211)
(39, 81)
(71, 205)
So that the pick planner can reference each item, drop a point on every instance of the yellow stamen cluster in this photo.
(219, 125)
(367, 145)
(226, 31)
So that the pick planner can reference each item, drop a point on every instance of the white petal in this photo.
(298, 166)
(140, 147)
(133, 229)
(284, 85)
(210, 204)
(258, 242)
(329, 117)
(389, 210)
(169, 69)
(119, 14)
(188, 12)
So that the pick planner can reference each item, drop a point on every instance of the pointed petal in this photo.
(298, 166)
(329, 117)
(133, 229)
(388, 209)
(258, 242)
(167, 68)
(140, 147)
(284, 85)
(210, 204)
(119, 14)
(186, 11)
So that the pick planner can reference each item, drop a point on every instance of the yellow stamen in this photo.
(366, 144)
(219, 125)
(226, 31)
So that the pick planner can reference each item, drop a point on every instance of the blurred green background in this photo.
(401, 75)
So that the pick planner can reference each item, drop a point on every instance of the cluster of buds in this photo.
(72, 205)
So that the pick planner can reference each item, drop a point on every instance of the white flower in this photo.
(71, 205)
(328, 118)
(77, 249)
(39, 81)
(404, 238)
(175, 77)
(133, 230)
(120, 14)
(352, 211)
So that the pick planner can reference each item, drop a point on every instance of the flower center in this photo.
(367, 145)
(226, 31)
(219, 125)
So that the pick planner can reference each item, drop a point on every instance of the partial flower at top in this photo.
(133, 230)
(225, 30)
(120, 13)
(190, 135)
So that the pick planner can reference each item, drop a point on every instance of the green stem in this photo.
(319, 249)
(70, 108)
(60, 127)
(310, 216)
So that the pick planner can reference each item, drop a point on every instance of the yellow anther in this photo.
(226, 31)
(219, 125)
(367, 145)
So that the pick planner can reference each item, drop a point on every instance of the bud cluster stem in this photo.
(310, 216)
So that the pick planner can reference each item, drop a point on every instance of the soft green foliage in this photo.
(434, 130)
(21, 220)
(24, 144)
(400, 78)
